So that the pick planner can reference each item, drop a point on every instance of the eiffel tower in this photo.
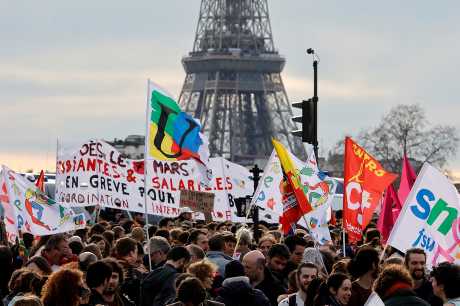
(233, 83)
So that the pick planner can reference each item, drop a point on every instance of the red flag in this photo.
(386, 218)
(291, 211)
(364, 182)
(40, 183)
(408, 178)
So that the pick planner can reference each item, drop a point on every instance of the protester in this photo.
(203, 270)
(244, 240)
(26, 300)
(296, 246)
(199, 238)
(313, 255)
(260, 276)
(277, 259)
(237, 291)
(395, 286)
(196, 253)
(364, 268)
(265, 243)
(126, 252)
(305, 274)
(85, 259)
(57, 252)
(415, 262)
(229, 244)
(65, 288)
(23, 281)
(216, 253)
(158, 286)
(166, 224)
(445, 279)
(191, 292)
(97, 279)
(159, 248)
(111, 294)
(335, 291)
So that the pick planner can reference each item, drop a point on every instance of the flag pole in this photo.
(146, 216)
(343, 241)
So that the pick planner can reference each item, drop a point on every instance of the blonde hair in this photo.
(202, 269)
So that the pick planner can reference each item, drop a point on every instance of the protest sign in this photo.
(198, 202)
(429, 218)
(95, 173)
(31, 211)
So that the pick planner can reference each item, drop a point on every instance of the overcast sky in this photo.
(78, 69)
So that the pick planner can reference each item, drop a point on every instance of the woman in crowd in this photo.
(265, 243)
(335, 291)
(204, 270)
(395, 286)
(65, 288)
(23, 281)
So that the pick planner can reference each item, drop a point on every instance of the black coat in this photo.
(157, 288)
(405, 297)
(240, 293)
(271, 287)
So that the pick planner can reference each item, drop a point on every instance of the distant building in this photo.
(132, 147)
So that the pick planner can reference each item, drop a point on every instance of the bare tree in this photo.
(404, 129)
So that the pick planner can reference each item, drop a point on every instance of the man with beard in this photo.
(97, 279)
(277, 258)
(305, 273)
(158, 287)
(364, 270)
(112, 295)
(415, 261)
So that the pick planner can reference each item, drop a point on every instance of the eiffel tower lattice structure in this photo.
(233, 83)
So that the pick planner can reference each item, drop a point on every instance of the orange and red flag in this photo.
(364, 182)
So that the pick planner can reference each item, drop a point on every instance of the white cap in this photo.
(185, 210)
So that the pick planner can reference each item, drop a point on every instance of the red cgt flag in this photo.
(364, 182)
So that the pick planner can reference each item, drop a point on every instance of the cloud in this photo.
(303, 87)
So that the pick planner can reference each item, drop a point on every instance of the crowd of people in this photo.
(184, 262)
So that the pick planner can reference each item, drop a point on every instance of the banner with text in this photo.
(95, 173)
(430, 218)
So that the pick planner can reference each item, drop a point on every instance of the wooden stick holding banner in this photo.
(146, 216)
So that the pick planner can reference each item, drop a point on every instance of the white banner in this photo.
(430, 219)
(96, 174)
(33, 211)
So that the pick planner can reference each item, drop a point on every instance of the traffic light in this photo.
(308, 121)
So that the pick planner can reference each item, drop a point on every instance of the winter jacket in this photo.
(271, 287)
(132, 282)
(404, 297)
(158, 286)
(220, 259)
(236, 291)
